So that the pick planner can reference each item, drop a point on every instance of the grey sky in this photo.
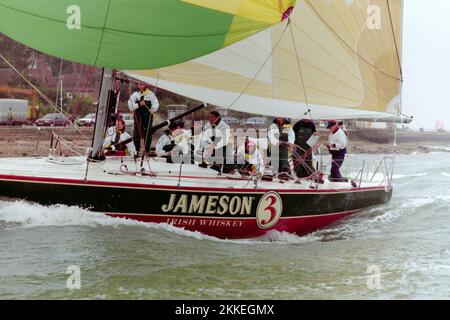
(426, 62)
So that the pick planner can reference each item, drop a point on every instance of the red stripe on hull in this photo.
(236, 228)
(30, 179)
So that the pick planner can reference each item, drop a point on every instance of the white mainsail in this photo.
(339, 59)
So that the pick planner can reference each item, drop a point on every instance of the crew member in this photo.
(215, 143)
(182, 138)
(142, 104)
(343, 128)
(251, 158)
(304, 130)
(119, 142)
(281, 138)
(174, 141)
(166, 143)
(337, 145)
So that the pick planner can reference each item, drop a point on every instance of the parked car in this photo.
(87, 121)
(230, 120)
(53, 119)
(256, 121)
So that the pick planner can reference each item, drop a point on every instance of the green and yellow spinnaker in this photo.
(136, 34)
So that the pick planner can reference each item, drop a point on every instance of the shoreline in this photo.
(31, 141)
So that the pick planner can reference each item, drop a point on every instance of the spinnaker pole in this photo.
(181, 116)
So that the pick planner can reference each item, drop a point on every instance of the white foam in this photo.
(440, 148)
(34, 215)
(445, 174)
(413, 175)
(285, 237)
(30, 215)
(22, 214)
(380, 176)
(363, 224)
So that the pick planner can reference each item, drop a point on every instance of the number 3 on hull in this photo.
(269, 211)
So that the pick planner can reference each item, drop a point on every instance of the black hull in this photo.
(185, 207)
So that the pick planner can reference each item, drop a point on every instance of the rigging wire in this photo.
(59, 81)
(346, 44)
(68, 146)
(365, 60)
(81, 93)
(300, 71)
(395, 41)
(401, 76)
(40, 93)
(151, 119)
(43, 96)
(309, 110)
(261, 67)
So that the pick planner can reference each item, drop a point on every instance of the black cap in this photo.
(331, 124)
(174, 125)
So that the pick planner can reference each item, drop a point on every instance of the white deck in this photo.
(74, 168)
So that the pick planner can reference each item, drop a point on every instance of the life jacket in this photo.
(121, 149)
(119, 146)
(148, 104)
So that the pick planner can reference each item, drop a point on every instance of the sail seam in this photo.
(261, 68)
(103, 33)
(347, 45)
(217, 34)
(357, 78)
(325, 72)
(395, 40)
(325, 50)
(299, 67)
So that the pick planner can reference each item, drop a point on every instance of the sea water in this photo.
(397, 251)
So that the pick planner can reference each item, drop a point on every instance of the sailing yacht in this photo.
(322, 59)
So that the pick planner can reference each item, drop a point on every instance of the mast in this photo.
(102, 114)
